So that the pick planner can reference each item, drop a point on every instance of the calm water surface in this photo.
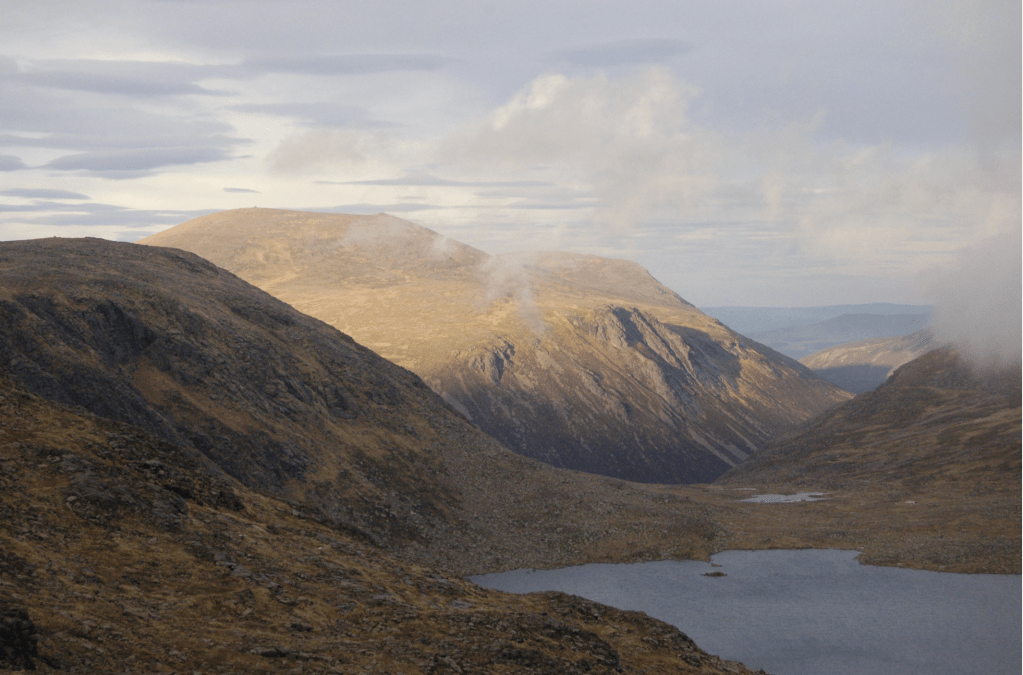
(811, 612)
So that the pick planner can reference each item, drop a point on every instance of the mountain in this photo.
(196, 477)
(750, 320)
(121, 551)
(863, 365)
(801, 341)
(923, 471)
(936, 420)
(241, 383)
(579, 361)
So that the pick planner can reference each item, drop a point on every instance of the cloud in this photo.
(316, 149)
(135, 162)
(427, 180)
(346, 153)
(42, 193)
(629, 139)
(11, 163)
(345, 64)
(978, 300)
(43, 119)
(175, 78)
(510, 277)
(370, 209)
(128, 84)
(622, 52)
(142, 79)
(55, 214)
(234, 189)
(891, 212)
(322, 113)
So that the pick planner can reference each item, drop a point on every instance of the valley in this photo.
(177, 445)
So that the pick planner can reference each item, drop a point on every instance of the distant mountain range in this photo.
(750, 320)
(800, 331)
(801, 341)
(579, 361)
(863, 365)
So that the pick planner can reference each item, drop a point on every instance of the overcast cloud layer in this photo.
(747, 153)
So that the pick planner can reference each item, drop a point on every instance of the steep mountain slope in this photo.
(283, 403)
(801, 341)
(863, 365)
(168, 342)
(122, 552)
(935, 422)
(578, 361)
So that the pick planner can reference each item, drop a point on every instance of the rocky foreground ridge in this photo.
(123, 552)
(578, 361)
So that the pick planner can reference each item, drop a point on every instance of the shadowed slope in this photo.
(579, 361)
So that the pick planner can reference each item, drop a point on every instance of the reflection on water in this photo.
(811, 612)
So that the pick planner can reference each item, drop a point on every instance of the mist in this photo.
(977, 302)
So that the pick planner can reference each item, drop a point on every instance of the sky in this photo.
(756, 153)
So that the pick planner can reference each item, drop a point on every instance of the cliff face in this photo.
(582, 362)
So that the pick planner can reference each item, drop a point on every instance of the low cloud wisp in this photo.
(977, 302)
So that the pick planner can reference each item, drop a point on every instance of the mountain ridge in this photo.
(582, 362)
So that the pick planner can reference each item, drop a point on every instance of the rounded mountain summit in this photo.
(582, 362)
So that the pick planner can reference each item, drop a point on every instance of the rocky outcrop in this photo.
(579, 361)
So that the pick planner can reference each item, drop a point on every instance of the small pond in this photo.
(811, 612)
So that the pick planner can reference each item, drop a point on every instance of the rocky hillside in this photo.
(937, 421)
(863, 365)
(578, 361)
(121, 551)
